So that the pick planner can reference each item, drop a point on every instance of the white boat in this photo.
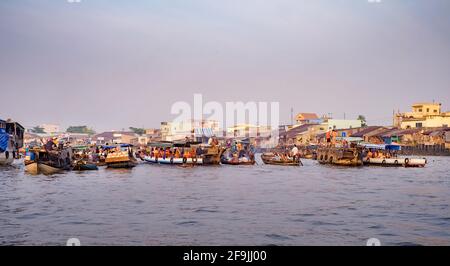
(173, 160)
(405, 162)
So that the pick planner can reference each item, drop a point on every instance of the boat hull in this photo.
(32, 168)
(47, 169)
(396, 162)
(169, 161)
(6, 158)
(117, 165)
(85, 167)
(339, 156)
(228, 162)
(268, 159)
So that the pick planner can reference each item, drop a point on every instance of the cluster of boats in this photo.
(190, 154)
(56, 157)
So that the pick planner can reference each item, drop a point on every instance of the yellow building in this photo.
(423, 115)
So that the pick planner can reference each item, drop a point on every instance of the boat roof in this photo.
(392, 147)
(170, 144)
(115, 146)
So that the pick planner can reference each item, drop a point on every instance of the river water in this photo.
(229, 205)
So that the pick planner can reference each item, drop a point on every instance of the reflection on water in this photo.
(228, 205)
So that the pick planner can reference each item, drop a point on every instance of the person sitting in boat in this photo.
(176, 153)
(168, 153)
(199, 151)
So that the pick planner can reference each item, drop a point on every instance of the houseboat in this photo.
(11, 140)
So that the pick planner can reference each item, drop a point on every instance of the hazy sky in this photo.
(115, 64)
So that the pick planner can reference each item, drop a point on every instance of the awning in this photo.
(207, 132)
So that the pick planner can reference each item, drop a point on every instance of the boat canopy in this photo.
(161, 144)
(350, 139)
(391, 147)
(106, 147)
(4, 139)
(208, 132)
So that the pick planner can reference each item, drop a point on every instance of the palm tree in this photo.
(363, 120)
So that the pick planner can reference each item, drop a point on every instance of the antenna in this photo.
(292, 116)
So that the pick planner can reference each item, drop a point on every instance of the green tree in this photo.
(363, 120)
(80, 130)
(139, 131)
(38, 130)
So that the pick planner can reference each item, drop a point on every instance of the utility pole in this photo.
(292, 116)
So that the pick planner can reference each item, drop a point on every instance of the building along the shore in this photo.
(199, 130)
(308, 118)
(114, 137)
(423, 115)
(51, 129)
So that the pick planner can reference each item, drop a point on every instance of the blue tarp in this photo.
(4, 139)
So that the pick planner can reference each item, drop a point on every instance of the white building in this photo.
(342, 124)
(50, 128)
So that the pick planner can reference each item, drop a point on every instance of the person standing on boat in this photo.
(334, 137)
(328, 137)
(294, 152)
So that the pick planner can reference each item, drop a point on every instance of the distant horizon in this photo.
(115, 64)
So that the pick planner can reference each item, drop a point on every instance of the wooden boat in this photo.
(40, 161)
(83, 165)
(339, 156)
(230, 158)
(31, 167)
(237, 162)
(121, 156)
(272, 159)
(81, 159)
(211, 154)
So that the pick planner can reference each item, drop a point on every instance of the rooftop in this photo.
(308, 116)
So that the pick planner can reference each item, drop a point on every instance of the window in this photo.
(419, 125)
(435, 110)
(420, 110)
(428, 110)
